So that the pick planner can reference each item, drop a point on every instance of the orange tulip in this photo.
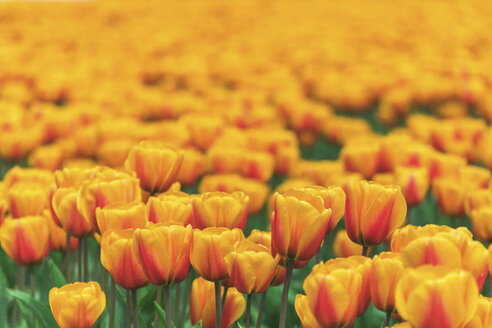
(299, 223)
(64, 204)
(477, 198)
(386, 270)
(403, 236)
(121, 215)
(483, 316)
(414, 182)
(18, 174)
(219, 209)
(171, 206)
(155, 164)
(163, 251)
(362, 158)
(101, 192)
(202, 305)
(27, 199)
(118, 258)
(209, 248)
(450, 195)
(475, 177)
(304, 312)
(444, 165)
(192, 167)
(251, 267)
(58, 236)
(481, 220)
(373, 212)
(433, 296)
(26, 240)
(77, 305)
(344, 247)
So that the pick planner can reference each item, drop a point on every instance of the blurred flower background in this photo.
(240, 163)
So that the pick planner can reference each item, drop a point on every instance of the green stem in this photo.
(388, 319)
(177, 302)
(158, 301)
(128, 309)
(318, 256)
(189, 278)
(218, 306)
(224, 296)
(79, 259)
(135, 308)
(112, 304)
(248, 310)
(167, 306)
(285, 295)
(86, 262)
(33, 289)
(365, 249)
(260, 310)
(67, 259)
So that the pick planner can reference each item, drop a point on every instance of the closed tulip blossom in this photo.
(450, 195)
(483, 316)
(77, 305)
(163, 251)
(481, 220)
(434, 296)
(219, 209)
(64, 205)
(171, 206)
(386, 270)
(155, 164)
(118, 258)
(373, 212)
(26, 199)
(476, 199)
(344, 247)
(121, 215)
(414, 182)
(202, 305)
(26, 239)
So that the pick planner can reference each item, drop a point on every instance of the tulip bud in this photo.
(64, 205)
(26, 240)
(77, 305)
(450, 196)
(171, 206)
(118, 258)
(386, 270)
(202, 304)
(121, 215)
(58, 236)
(362, 158)
(27, 199)
(373, 212)
(344, 247)
(477, 198)
(209, 248)
(192, 167)
(251, 267)
(299, 224)
(414, 182)
(155, 164)
(481, 220)
(163, 251)
(433, 296)
(304, 312)
(219, 209)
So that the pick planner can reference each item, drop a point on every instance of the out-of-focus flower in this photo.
(450, 195)
(373, 212)
(171, 206)
(481, 219)
(445, 165)
(202, 304)
(121, 215)
(361, 157)
(414, 183)
(26, 239)
(18, 174)
(47, 157)
(477, 198)
(386, 270)
(192, 167)
(118, 258)
(254, 189)
(344, 247)
(299, 223)
(113, 153)
(155, 164)
(163, 251)
(320, 173)
(27, 199)
(77, 305)
(251, 267)
(203, 130)
(220, 209)
(475, 177)
(433, 296)
(209, 248)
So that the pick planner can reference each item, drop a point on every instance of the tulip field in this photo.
(316, 164)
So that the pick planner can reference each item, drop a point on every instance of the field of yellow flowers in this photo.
(246, 164)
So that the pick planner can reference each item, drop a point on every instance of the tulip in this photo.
(332, 298)
(386, 270)
(209, 248)
(251, 267)
(192, 167)
(433, 296)
(373, 212)
(481, 220)
(170, 206)
(118, 258)
(414, 183)
(477, 198)
(444, 165)
(77, 305)
(155, 164)
(476, 177)
(64, 204)
(18, 174)
(202, 305)
(304, 312)
(219, 209)
(450, 195)
(113, 153)
(483, 316)
(58, 236)
(203, 130)
(403, 236)
(101, 192)
(362, 158)
(344, 247)
(27, 199)
(26, 240)
(121, 215)
(320, 172)
(163, 251)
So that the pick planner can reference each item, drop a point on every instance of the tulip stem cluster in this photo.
(167, 306)
(260, 310)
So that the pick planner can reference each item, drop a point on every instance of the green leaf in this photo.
(40, 310)
(56, 276)
(162, 315)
